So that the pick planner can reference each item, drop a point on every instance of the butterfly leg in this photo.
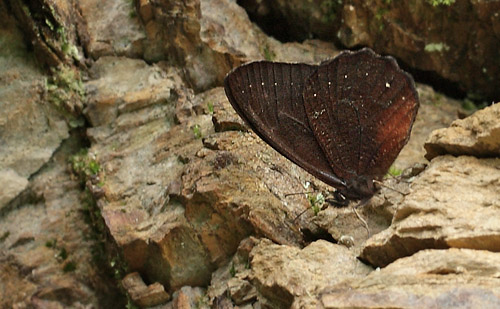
(338, 200)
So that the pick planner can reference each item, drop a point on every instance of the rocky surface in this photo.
(279, 272)
(30, 129)
(458, 41)
(48, 252)
(428, 279)
(178, 182)
(477, 135)
(113, 28)
(452, 204)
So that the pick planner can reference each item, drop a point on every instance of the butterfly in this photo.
(343, 121)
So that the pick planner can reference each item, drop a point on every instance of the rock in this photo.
(48, 252)
(427, 36)
(181, 188)
(231, 282)
(431, 38)
(427, 279)
(155, 231)
(13, 184)
(189, 297)
(453, 204)
(279, 18)
(142, 294)
(135, 85)
(113, 29)
(54, 29)
(477, 135)
(30, 129)
(207, 38)
(286, 275)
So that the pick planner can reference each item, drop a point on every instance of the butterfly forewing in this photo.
(268, 96)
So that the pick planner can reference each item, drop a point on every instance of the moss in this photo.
(269, 55)
(62, 254)
(67, 47)
(69, 267)
(202, 302)
(441, 2)
(4, 236)
(330, 9)
(51, 243)
(64, 88)
(436, 47)
(232, 270)
(84, 165)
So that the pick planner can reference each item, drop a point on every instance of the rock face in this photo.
(287, 275)
(457, 42)
(197, 206)
(113, 28)
(47, 250)
(428, 279)
(30, 128)
(477, 135)
(453, 204)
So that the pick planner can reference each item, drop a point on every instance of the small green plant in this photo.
(394, 171)
(316, 202)
(51, 243)
(84, 164)
(62, 254)
(69, 267)
(196, 131)
(210, 107)
(441, 2)
(436, 47)
(4, 236)
(232, 270)
(468, 105)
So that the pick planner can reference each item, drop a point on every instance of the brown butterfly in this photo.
(344, 121)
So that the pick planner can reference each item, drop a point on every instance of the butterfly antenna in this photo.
(380, 183)
(298, 193)
(302, 212)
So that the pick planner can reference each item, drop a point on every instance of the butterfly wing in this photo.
(361, 108)
(268, 97)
